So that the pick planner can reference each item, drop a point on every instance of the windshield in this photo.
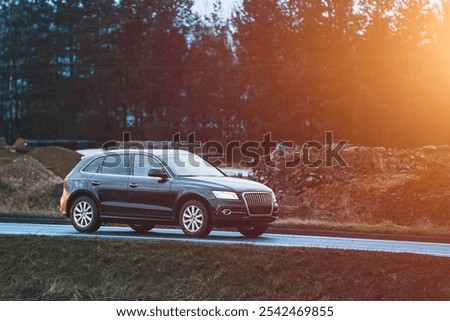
(190, 165)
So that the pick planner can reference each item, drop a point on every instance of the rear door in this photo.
(110, 184)
(149, 197)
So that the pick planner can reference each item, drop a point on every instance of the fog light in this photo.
(225, 211)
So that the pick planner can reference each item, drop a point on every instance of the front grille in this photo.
(258, 203)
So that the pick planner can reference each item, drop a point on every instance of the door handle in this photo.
(95, 183)
(134, 185)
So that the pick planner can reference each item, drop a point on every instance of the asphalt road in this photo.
(227, 237)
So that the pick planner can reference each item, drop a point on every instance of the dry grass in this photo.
(69, 269)
(387, 227)
(26, 212)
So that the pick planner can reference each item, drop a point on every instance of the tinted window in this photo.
(190, 165)
(143, 163)
(94, 165)
(113, 164)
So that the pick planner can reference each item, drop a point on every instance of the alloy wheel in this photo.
(83, 214)
(193, 218)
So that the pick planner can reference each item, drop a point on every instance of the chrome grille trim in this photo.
(258, 203)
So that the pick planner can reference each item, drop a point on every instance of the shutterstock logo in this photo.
(251, 153)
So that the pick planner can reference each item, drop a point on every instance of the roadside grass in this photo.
(387, 227)
(18, 210)
(43, 268)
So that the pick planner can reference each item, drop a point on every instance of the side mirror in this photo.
(158, 172)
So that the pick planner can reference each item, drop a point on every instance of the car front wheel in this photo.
(84, 215)
(252, 232)
(194, 219)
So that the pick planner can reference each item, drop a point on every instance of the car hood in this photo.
(229, 183)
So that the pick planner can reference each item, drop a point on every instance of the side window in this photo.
(93, 166)
(143, 163)
(115, 165)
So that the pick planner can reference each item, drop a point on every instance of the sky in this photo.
(206, 7)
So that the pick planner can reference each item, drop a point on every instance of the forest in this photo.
(376, 73)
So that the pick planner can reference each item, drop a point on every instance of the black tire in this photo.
(252, 232)
(194, 219)
(142, 228)
(84, 215)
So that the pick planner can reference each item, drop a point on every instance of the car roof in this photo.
(156, 152)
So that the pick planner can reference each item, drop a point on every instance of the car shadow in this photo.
(174, 234)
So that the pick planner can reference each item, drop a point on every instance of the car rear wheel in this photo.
(142, 228)
(84, 215)
(194, 219)
(253, 231)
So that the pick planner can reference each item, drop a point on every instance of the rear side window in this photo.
(115, 165)
(94, 165)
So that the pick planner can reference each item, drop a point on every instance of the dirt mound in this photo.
(424, 200)
(59, 160)
(7, 156)
(379, 186)
(27, 172)
(26, 184)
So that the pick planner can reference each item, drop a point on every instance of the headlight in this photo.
(225, 195)
(274, 198)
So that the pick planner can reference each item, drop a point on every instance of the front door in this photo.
(149, 197)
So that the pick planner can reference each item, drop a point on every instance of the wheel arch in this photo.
(188, 197)
(78, 194)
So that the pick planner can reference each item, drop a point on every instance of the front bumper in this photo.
(231, 213)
